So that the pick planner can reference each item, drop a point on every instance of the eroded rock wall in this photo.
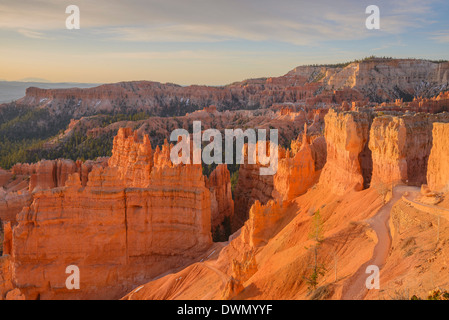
(297, 172)
(401, 146)
(117, 233)
(438, 165)
(346, 134)
(222, 204)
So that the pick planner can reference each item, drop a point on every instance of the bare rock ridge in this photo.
(135, 217)
(383, 79)
(377, 79)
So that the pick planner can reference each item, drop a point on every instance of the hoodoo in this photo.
(135, 218)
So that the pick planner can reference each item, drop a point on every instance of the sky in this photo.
(208, 41)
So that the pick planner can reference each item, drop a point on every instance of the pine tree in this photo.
(316, 233)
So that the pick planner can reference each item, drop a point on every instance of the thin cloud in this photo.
(32, 34)
(290, 21)
(441, 37)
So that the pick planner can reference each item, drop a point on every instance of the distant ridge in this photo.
(13, 90)
(31, 79)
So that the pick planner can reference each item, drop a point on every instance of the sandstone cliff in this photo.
(241, 272)
(118, 233)
(296, 173)
(377, 79)
(262, 223)
(401, 147)
(14, 195)
(222, 204)
(19, 184)
(347, 135)
(438, 166)
(251, 186)
(383, 79)
(298, 170)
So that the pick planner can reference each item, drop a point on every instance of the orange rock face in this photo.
(401, 147)
(51, 174)
(438, 166)
(6, 281)
(241, 272)
(12, 203)
(298, 170)
(46, 174)
(133, 160)
(14, 195)
(251, 187)
(7, 240)
(23, 179)
(222, 205)
(132, 221)
(346, 136)
(295, 175)
(262, 220)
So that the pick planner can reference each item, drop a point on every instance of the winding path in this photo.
(355, 288)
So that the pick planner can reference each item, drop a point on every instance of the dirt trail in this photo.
(427, 208)
(355, 288)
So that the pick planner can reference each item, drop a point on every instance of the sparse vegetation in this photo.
(436, 294)
(345, 64)
(316, 233)
(409, 245)
(323, 292)
(234, 180)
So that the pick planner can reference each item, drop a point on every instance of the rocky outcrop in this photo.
(382, 79)
(7, 238)
(132, 159)
(19, 184)
(438, 165)
(401, 146)
(118, 233)
(298, 169)
(6, 281)
(46, 174)
(261, 222)
(5, 177)
(347, 135)
(51, 174)
(11, 203)
(296, 173)
(251, 187)
(241, 272)
(14, 195)
(222, 204)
